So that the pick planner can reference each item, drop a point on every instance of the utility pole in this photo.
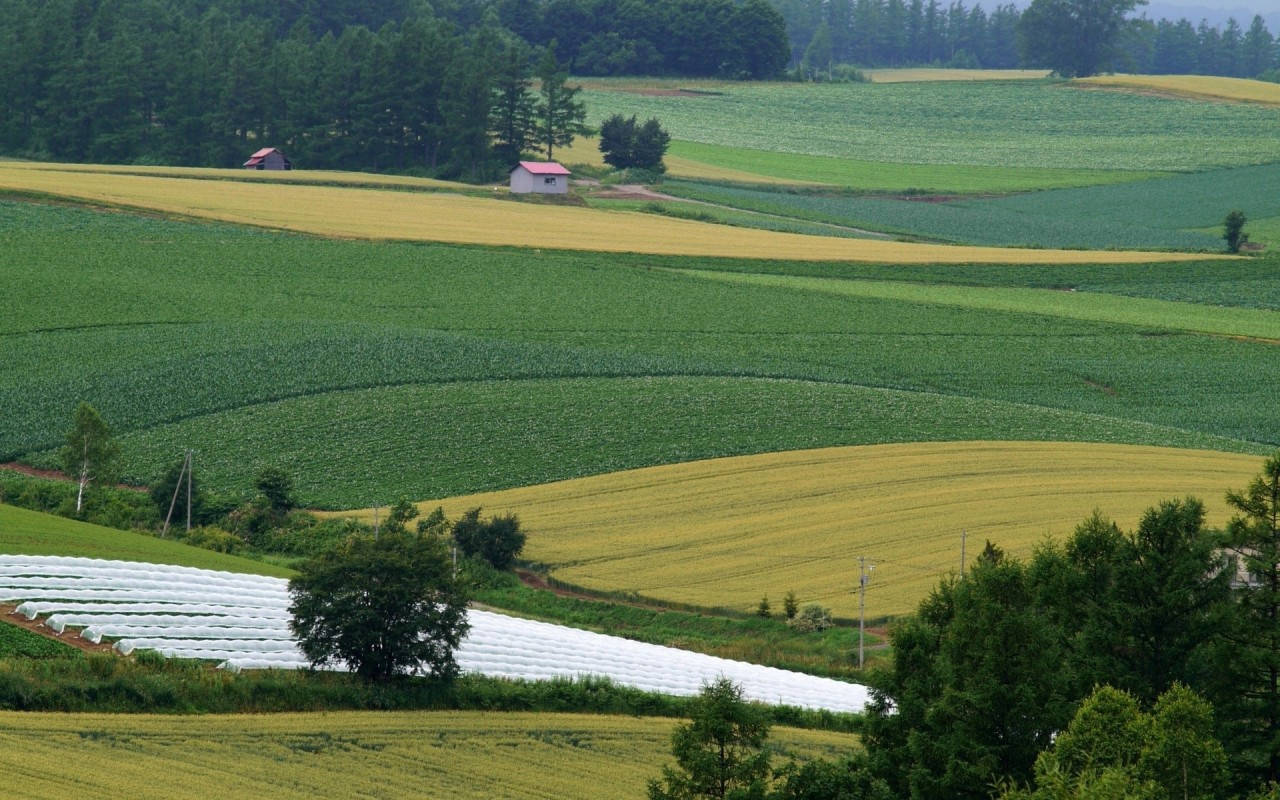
(375, 523)
(964, 534)
(864, 577)
(177, 487)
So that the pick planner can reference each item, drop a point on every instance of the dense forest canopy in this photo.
(408, 84)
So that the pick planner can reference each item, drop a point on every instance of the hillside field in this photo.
(348, 754)
(337, 359)
(727, 531)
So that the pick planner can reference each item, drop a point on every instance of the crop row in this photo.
(1155, 213)
(1016, 124)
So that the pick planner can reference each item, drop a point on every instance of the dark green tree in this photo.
(1252, 662)
(497, 540)
(399, 516)
(617, 140)
(384, 606)
(978, 685)
(1233, 231)
(277, 487)
(721, 753)
(560, 115)
(167, 487)
(90, 455)
(761, 39)
(850, 779)
(650, 146)
(1074, 38)
(511, 117)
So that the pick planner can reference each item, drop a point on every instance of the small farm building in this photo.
(268, 158)
(543, 177)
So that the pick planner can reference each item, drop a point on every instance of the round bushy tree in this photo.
(385, 606)
(497, 540)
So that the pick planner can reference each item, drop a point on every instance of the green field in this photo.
(884, 176)
(1033, 124)
(1156, 213)
(375, 370)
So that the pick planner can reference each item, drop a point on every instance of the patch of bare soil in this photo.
(670, 93)
(1102, 387)
(35, 626)
(54, 475)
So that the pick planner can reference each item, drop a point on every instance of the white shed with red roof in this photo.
(543, 177)
(268, 158)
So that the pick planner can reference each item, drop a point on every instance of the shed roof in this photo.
(544, 168)
(264, 151)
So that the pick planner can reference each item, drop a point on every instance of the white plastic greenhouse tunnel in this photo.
(242, 621)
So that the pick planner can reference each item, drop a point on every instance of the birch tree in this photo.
(89, 455)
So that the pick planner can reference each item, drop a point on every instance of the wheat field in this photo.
(1199, 86)
(725, 532)
(446, 217)
(459, 755)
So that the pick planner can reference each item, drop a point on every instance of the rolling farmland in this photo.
(1202, 87)
(724, 532)
(1163, 212)
(367, 754)
(972, 124)
(549, 366)
(383, 215)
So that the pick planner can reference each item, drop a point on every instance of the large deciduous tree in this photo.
(1074, 38)
(90, 455)
(385, 606)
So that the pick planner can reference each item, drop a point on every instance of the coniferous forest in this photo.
(405, 85)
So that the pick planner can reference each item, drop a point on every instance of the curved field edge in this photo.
(347, 754)
(443, 217)
(1088, 306)
(724, 532)
(1195, 87)
(24, 532)
(352, 449)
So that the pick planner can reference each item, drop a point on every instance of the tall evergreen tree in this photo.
(560, 115)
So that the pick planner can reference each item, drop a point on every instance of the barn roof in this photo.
(544, 168)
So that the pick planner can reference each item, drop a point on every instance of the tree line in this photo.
(895, 33)
(378, 86)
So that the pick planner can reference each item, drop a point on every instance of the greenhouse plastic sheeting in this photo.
(242, 621)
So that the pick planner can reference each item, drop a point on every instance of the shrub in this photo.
(498, 540)
(812, 618)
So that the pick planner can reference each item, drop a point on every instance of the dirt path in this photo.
(54, 475)
(69, 638)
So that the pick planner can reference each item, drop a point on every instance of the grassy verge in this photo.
(151, 684)
(831, 653)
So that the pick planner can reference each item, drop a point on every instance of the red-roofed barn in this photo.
(268, 158)
(543, 177)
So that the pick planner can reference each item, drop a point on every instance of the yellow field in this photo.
(348, 754)
(312, 176)
(586, 150)
(942, 74)
(447, 217)
(1198, 86)
(726, 531)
